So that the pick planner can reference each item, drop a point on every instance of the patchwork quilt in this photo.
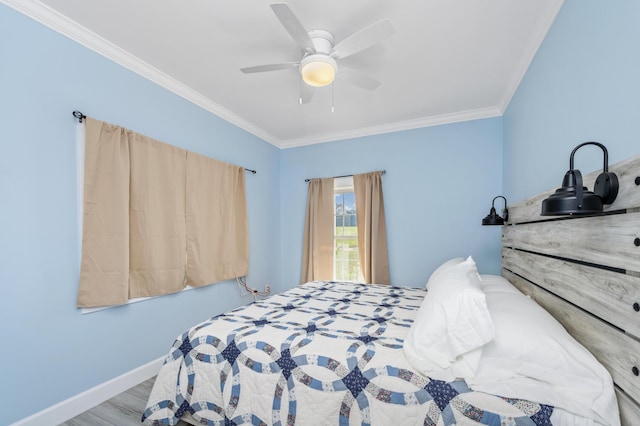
(323, 353)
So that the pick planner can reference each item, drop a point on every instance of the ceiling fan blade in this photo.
(366, 37)
(293, 26)
(306, 93)
(358, 78)
(270, 67)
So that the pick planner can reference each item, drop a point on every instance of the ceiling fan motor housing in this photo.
(322, 41)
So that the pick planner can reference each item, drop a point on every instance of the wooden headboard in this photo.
(586, 272)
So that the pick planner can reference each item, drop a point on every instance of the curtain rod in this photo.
(80, 116)
(336, 177)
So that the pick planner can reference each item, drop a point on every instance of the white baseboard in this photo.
(69, 408)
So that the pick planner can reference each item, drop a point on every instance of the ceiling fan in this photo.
(318, 65)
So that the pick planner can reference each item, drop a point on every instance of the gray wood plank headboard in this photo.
(586, 272)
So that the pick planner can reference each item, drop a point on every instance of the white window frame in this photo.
(342, 185)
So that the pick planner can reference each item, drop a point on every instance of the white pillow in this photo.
(532, 357)
(497, 283)
(444, 268)
(453, 323)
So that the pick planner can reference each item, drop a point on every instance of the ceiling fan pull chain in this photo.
(301, 83)
(333, 109)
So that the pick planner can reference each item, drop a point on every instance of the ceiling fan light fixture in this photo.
(318, 70)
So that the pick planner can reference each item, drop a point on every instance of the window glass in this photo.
(346, 258)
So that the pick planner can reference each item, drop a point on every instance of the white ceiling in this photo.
(449, 60)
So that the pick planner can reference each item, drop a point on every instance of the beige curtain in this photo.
(372, 232)
(150, 206)
(217, 226)
(157, 234)
(104, 271)
(317, 257)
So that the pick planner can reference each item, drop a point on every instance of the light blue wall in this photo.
(439, 185)
(584, 84)
(50, 351)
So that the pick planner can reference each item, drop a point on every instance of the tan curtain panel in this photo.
(157, 233)
(156, 217)
(372, 231)
(317, 257)
(104, 271)
(216, 217)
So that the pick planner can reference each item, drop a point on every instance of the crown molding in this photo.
(399, 126)
(72, 30)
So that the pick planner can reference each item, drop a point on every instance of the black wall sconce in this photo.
(575, 199)
(493, 218)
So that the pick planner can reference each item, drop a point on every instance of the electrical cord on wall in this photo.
(245, 289)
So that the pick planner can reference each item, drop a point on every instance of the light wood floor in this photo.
(122, 410)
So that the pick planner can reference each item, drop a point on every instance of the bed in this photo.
(321, 353)
(338, 353)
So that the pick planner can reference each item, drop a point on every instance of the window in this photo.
(346, 262)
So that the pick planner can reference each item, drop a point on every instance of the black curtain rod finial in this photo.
(80, 116)
(250, 171)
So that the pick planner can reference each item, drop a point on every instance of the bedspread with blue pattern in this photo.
(321, 353)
